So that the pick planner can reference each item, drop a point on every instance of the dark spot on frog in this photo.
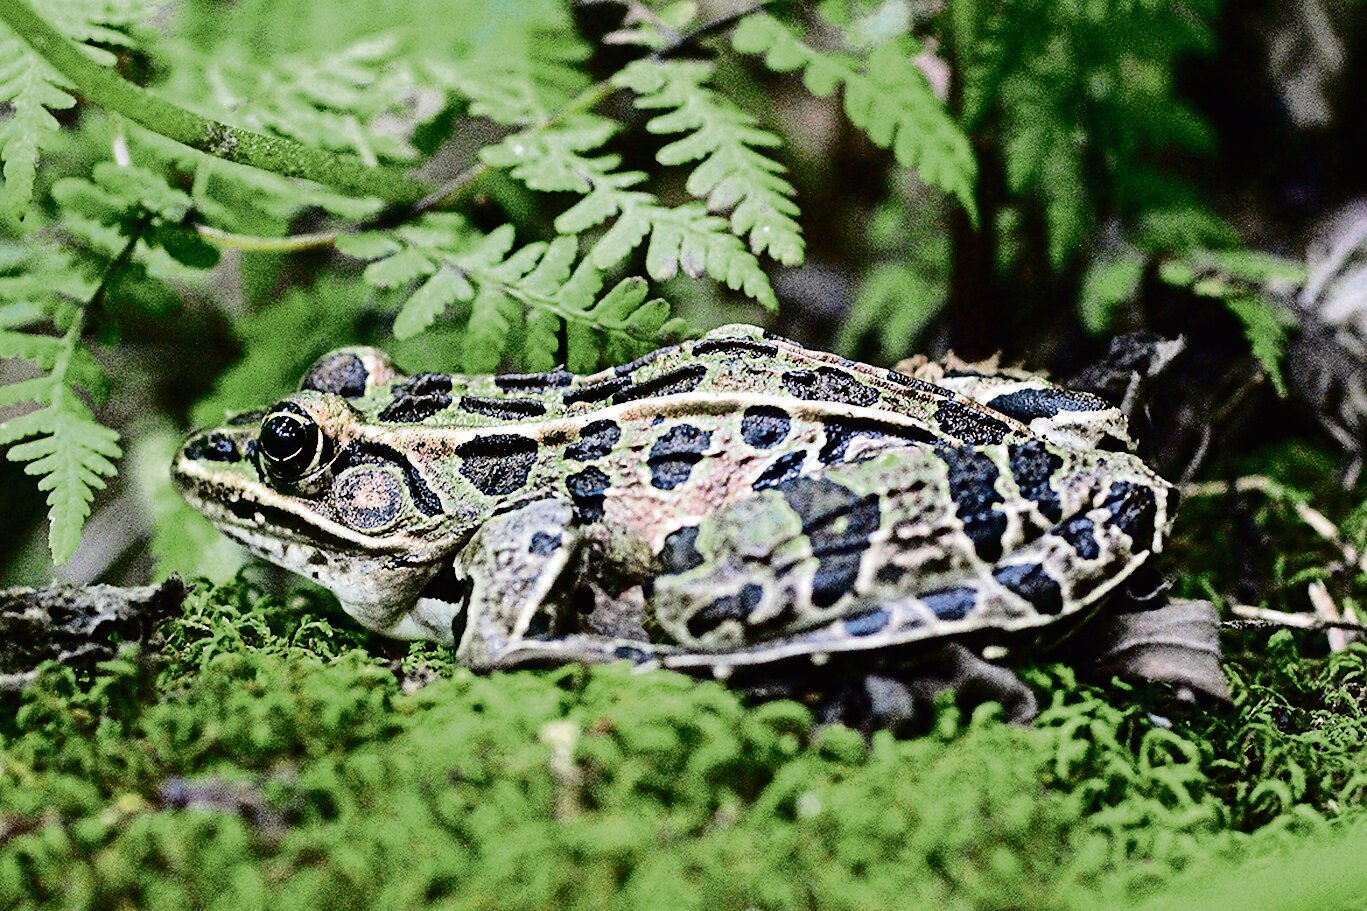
(539, 626)
(533, 382)
(595, 441)
(867, 622)
(1027, 404)
(829, 384)
(632, 654)
(423, 497)
(675, 382)
(1032, 466)
(342, 373)
(840, 433)
(890, 573)
(674, 454)
(367, 498)
(784, 468)
(411, 409)
(509, 409)
(838, 523)
(972, 484)
(1080, 533)
(680, 552)
(1031, 582)
(728, 607)
(951, 603)
(213, 447)
(1112, 443)
(425, 384)
(583, 600)
(1133, 510)
(735, 346)
(586, 493)
(911, 382)
(497, 464)
(543, 544)
(595, 392)
(970, 425)
(632, 366)
(764, 426)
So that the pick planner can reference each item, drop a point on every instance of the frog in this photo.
(725, 504)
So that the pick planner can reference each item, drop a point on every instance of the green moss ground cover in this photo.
(270, 759)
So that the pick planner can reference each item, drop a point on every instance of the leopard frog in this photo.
(730, 501)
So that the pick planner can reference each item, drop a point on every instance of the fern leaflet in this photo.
(886, 95)
(502, 294)
(733, 175)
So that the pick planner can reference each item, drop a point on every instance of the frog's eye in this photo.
(291, 443)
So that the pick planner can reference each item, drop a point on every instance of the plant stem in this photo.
(270, 153)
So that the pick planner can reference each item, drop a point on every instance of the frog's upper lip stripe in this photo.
(249, 513)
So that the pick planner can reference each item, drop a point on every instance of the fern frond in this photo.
(681, 239)
(733, 175)
(501, 293)
(32, 89)
(521, 78)
(885, 94)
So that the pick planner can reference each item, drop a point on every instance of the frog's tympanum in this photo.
(725, 504)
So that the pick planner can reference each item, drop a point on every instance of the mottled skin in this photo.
(730, 501)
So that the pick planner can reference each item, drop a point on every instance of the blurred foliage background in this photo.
(515, 185)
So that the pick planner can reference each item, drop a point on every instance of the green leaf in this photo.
(1265, 327)
(446, 286)
(886, 95)
(1107, 285)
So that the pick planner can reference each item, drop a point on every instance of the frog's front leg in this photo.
(509, 589)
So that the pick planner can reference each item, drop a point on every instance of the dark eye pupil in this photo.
(290, 444)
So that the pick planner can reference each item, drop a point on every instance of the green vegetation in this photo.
(200, 198)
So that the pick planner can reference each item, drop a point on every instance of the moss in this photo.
(270, 757)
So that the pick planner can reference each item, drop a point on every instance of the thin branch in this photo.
(467, 180)
(270, 153)
(1251, 616)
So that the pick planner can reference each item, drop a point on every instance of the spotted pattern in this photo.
(213, 447)
(497, 464)
(543, 544)
(506, 409)
(680, 552)
(533, 382)
(1133, 510)
(969, 425)
(784, 468)
(368, 498)
(676, 382)
(1027, 404)
(829, 384)
(600, 391)
(588, 489)
(423, 497)
(912, 382)
(764, 426)
(341, 374)
(951, 603)
(596, 440)
(840, 433)
(1033, 583)
(412, 409)
(743, 346)
(674, 454)
(838, 524)
(1080, 533)
(728, 607)
(1032, 466)
(867, 622)
(973, 487)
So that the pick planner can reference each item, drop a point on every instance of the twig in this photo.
(1328, 611)
(459, 186)
(1251, 616)
(1317, 521)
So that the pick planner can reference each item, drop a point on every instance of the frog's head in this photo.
(310, 486)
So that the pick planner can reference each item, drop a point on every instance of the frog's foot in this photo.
(901, 700)
(509, 578)
(1177, 643)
